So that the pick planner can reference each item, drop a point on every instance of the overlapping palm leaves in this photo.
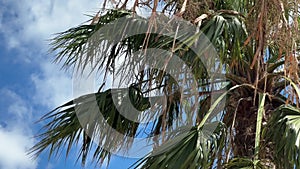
(65, 128)
(262, 94)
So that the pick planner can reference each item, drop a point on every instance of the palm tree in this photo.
(256, 42)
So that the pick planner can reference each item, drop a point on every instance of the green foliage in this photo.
(64, 127)
(257, 47)
(282, 132)
(187, 149)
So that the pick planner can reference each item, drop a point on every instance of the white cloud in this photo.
(13, 147)
(53, 87)
(54, 16)
(34, 21)
(16, 136)
(18, 107)
(18, 112)
(27, 25)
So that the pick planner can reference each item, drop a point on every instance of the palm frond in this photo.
(186, 149)
(283, 133)
(256, 46)
(82, 118)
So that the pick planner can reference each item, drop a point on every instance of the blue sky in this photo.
(30, 85)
